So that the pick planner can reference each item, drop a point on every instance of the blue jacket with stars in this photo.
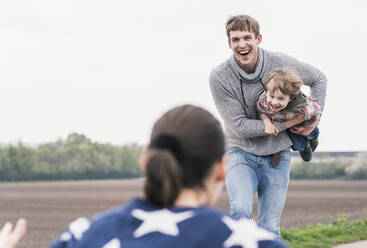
(139, 224)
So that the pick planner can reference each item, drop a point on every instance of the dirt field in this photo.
(49, 207)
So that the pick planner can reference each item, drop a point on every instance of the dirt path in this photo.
(49, 207)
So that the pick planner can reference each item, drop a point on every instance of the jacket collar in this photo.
(299, 100)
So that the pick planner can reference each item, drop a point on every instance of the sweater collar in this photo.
(249, 76)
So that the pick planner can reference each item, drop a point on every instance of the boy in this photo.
(283, 100)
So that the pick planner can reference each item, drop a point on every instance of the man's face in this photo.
(244, 47)
(277, 101)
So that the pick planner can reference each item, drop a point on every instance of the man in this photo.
(257, 162)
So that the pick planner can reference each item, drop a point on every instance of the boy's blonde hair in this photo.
(286, 80)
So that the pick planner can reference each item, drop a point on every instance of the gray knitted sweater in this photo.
(235, 93)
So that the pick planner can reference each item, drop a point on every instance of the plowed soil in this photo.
(50, 206)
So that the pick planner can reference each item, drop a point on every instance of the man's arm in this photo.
(304, 130)
(232, 112)
(312, 77)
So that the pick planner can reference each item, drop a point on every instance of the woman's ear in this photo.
(143, 160)
(222, 168)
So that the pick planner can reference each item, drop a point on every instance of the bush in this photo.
(358, 169)
(324, 170)
(76, 158)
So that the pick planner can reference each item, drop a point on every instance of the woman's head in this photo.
(185, 144)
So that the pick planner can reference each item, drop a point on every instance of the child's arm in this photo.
(314, 110)
(269, 126)
(266, 114)
(262, 106)
(264, 109)
(312, 115)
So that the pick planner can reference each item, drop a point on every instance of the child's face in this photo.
(277, 100)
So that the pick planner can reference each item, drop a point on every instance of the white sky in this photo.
(109, 68)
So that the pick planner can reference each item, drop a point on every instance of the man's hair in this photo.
(242, 23)
(286, 80)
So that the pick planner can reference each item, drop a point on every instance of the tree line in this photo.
(355, 169)
(77, 157)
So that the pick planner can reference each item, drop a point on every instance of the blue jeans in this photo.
(248, 174)
(300, 142)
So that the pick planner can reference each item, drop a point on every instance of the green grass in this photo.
(326, 236)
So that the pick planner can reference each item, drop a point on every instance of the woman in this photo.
(185, 168)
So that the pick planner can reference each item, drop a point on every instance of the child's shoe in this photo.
(313, 144)
(306, 154)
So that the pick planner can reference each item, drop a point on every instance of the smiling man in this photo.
(257, 162)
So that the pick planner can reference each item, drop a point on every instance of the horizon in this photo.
(35, 145)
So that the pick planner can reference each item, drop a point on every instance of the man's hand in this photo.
(10, 238)
(304, 131)
(295, 121)
(270, 128)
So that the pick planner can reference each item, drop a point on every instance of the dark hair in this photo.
(185, 143)
(242, 23)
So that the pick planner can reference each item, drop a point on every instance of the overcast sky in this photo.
(109, 68)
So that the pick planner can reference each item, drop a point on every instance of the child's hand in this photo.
(270, 128)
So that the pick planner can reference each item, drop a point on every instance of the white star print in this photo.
(65, 236)
(115, 243)
(78, 227)
(245, 233)
(163, 221)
